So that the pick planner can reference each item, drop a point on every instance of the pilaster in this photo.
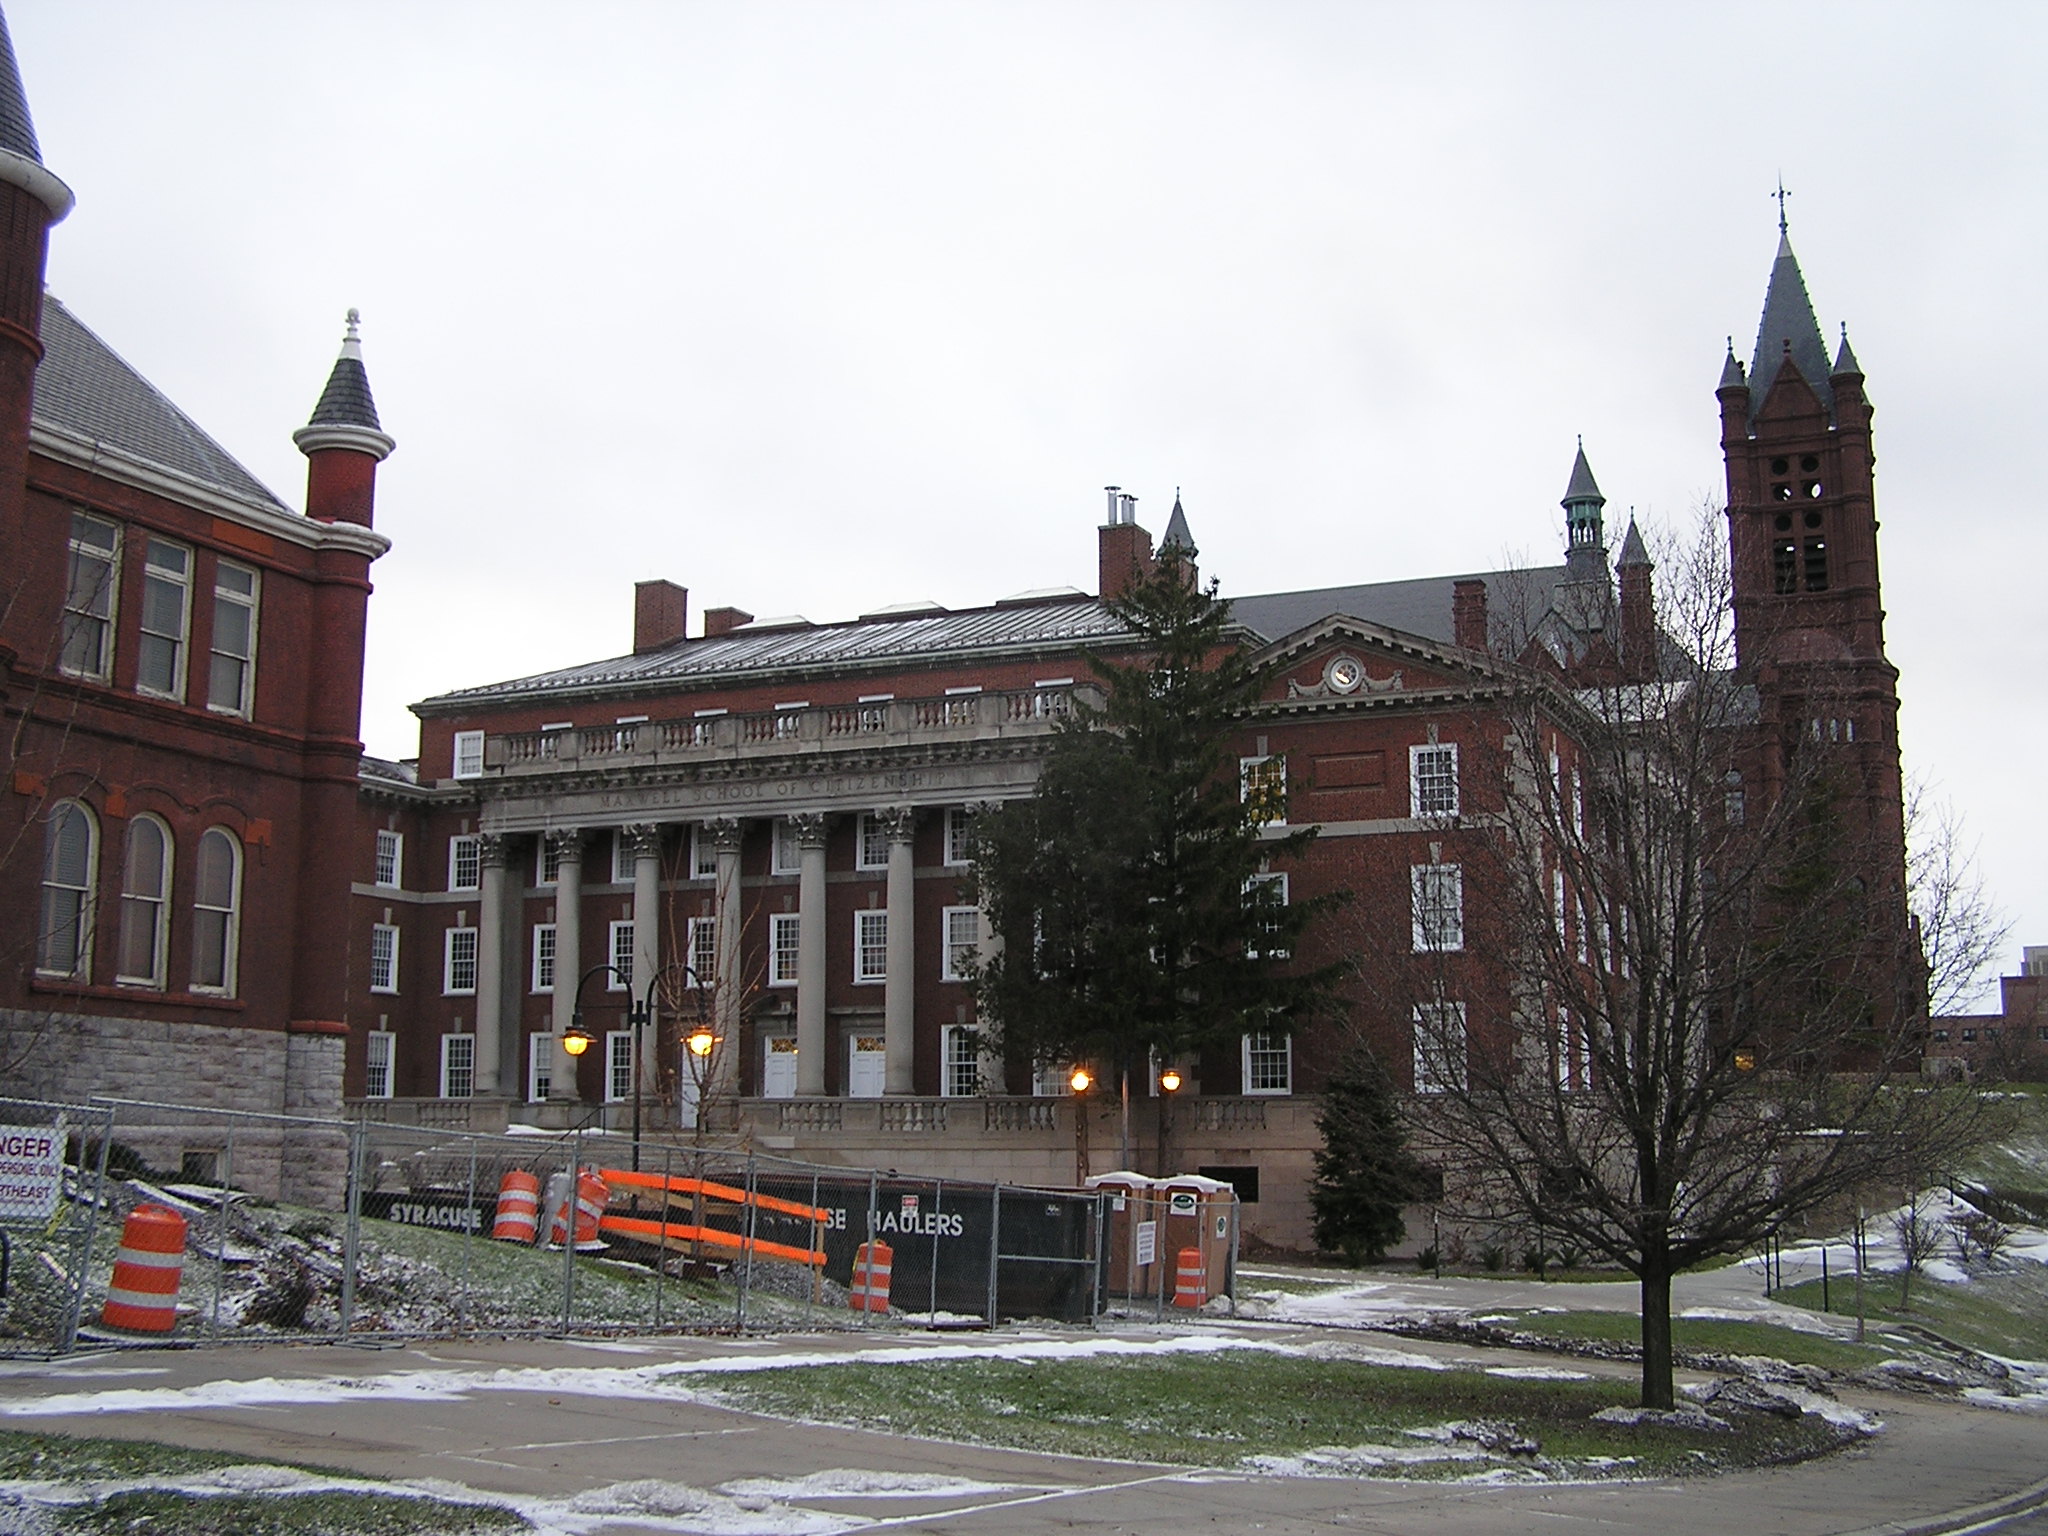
(566, 847)
(899, 1016)
(810, 954)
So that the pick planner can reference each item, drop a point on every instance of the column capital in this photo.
(565, 844)
(642, 839)
(809, 827)
(492, 850)
(898, 821)
(724, 832)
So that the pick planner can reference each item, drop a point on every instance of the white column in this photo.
(493, 1069)
(724, 1076)
(567, 848)
(645, 843)
(810, 954)
(899, 1013)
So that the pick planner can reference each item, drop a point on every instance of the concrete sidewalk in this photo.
(566, 1421)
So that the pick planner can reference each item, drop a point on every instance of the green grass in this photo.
(1717, 1336)
(38, 1458)
(2001, 1313)
(1219, 1409)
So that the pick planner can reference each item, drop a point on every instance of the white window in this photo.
(1433, 780)
(960, 1062)
(784, 931)
(1578, 804)
(231, 677)
(540, 1067)
(377, 1051)
(87, 640)
(383, 958)
(469, 754)
(550, 861)
(70, 866)
(543, 957)
(703, 854)
(1557, 904)
(703, 951)
(1439, 906)
(1574, 1054)
(783, 857)
(623, 858)
(166, 618)
(1052, 1080)
(871, 946)
(465, 862)
(391, 859)
(1264, 889)
(458, 962)
(959, 827)
(621, 952)
(145, 898)
(1268, 1062)
(458, 1066)
(618, 1065)
(1734, 804)
(1439, 1047)
(871, 849)
(963, 942)
(1262, 785)
(216, 912)
(1584, 948)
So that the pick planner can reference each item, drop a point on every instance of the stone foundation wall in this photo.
(205, 1068)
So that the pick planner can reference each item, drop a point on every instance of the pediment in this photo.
(1341, 660)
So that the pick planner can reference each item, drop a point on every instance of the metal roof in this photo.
(1420, 607)
(83, 387)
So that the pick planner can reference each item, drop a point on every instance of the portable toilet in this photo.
(1199, 1213)
(1132, 1240)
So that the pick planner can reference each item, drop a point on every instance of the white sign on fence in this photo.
(31, 1171)
(1148, 1243)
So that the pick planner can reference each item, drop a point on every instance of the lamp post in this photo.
(1169, 1085)
(639, 1012)
(1080, 1081)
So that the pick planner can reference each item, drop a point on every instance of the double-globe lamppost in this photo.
(700, 1042)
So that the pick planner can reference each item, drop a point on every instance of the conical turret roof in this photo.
(1177, 530)
(1845, 360)
(1788, 331)
(21, 157)
(346, 401)
(1632, 551)
(1583, 486)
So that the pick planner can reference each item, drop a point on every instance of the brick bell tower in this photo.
(1802, 534)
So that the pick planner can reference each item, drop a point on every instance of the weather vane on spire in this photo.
(1781, 194)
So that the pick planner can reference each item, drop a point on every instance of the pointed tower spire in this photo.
(21, 157)
(1845, 360)
(344, 442)
(1585, 556)
(1633, 553)
(1732, 376)
(1177, 530)
(1788, 332)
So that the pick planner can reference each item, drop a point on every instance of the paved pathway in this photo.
(562, 1421)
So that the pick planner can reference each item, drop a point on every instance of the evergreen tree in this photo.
(1364, 1173)
(1127, 889)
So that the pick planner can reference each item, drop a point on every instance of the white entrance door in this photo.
(778, 1067)
(867, 1066)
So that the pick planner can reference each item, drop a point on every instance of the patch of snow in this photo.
(2020, 1402)
(1687, 1417)
(849, 1483)
(1537, 1373)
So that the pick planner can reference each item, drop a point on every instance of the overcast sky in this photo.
(814, 308)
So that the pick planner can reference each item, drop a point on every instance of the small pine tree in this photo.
(1364, 1172)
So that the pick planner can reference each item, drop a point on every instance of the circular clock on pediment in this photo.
(1344, 674)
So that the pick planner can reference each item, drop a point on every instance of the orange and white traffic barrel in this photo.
(1190, 1279)
(870, 1291)
(518, 1208)
(592, 1196)
(143, 1295)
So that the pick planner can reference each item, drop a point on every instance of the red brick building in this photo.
(762, 820)
(181, 675)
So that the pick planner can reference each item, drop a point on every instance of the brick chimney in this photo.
(1123, 549)
(661, 610)
(723, 621)
(1468, 613)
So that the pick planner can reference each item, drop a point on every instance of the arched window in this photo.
(216, 912)
(70, 859)
(145, 896)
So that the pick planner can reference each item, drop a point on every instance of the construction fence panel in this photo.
(53, 1213)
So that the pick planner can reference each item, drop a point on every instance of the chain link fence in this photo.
(317, 1229)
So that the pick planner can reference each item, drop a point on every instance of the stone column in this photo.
(899, 1017)
(724, 1079)
(494, 1067)
(810, 954)
(644, 842)
(567, 847)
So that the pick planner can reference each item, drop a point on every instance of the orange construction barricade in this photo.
(143, 1295)
(871, 1277)
(518, 1208)
(1190, 1279)
(592, 1196)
